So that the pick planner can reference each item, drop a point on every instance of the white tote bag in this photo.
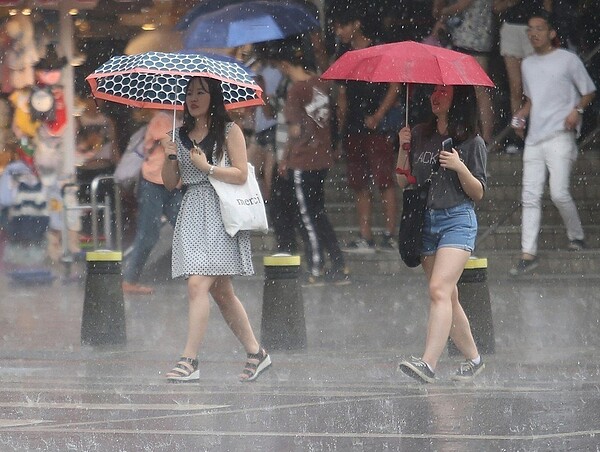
(242, 206)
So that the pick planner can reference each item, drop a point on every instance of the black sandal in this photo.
(256, 363)
(186, 369)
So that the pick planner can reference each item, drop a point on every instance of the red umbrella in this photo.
(408, 62)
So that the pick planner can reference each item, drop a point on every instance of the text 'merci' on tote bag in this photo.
(242, 206)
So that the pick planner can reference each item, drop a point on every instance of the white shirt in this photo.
(554, 82)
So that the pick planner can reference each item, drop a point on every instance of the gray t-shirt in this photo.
(445, 190)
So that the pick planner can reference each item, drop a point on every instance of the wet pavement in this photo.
(540, 390)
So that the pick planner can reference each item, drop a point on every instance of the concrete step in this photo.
(496, 239)
(550, 238)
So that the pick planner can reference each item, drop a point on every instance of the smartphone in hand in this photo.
(447, 145)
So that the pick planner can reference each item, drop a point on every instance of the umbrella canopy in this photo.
(408, 62)
(203, 7)
(248, 23)
(158, 80)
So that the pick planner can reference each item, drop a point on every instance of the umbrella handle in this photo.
(406, 146)
(173, 132)
(406, 105)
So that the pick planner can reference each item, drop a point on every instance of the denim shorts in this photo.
(455, 227)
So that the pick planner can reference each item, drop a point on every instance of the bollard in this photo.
(474, 296)
(103, 319)
(283, 326)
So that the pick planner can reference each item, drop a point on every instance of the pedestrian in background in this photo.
(203, 252)
(458, 180)
(514, 46)
(557, 89)
(154, 201)
(307, 160)
(362, 107)
(471, 28)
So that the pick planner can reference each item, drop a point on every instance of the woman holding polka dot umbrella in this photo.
(203, 252)
(158, 80)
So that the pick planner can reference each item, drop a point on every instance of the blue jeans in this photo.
(455, 227)
(154, 201)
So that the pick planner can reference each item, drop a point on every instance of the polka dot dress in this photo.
(201, 246)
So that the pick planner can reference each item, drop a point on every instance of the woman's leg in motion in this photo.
(460, 332)
(199, 310)
(443, 271)
(234, 313)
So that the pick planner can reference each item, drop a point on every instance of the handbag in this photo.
(410, 235)
(242, 206)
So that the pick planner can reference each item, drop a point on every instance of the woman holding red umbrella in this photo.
(458, 180)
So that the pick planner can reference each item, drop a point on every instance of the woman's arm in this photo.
(237, 173)
(170, 169)
(403, 174)
(469, 183)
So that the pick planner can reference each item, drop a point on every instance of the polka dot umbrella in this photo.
(158, 80)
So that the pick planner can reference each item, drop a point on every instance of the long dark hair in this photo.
(217, 119)
(462, 116)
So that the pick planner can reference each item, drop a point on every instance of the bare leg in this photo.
(513, 70)
(443, 271)
(234, 313)
(199, 310)
(460, 332)
(486, 113)
(364, 208)
(390, 210)
(485, 106)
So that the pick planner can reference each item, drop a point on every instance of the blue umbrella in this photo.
(204, 7)
(248, 23)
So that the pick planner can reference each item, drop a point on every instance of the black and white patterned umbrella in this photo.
(158, 80)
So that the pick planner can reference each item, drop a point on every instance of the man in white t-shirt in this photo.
(557, 89)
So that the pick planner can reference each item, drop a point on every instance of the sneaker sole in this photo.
(315, 284)
(514, 272)
(415, 373)
(194, 376)
(463, 378)
(264, 365)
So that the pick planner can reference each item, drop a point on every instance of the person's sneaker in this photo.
(524, 266)
(338, 276)
(361, 246)
(388, 243)
(468, 370)
(313, 281)
(418, 369)
(576, 245)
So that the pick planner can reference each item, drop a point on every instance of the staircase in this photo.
(499, 216)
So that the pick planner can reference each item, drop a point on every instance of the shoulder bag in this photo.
(410, 235)
(242, 206)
